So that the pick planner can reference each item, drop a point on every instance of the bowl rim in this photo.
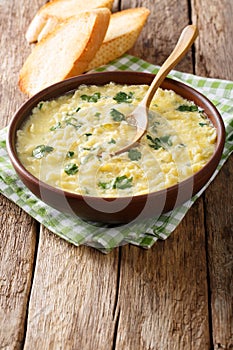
(25, 110)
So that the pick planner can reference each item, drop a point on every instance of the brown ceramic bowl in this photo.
(123, 209)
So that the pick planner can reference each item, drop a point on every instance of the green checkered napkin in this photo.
(145, 233)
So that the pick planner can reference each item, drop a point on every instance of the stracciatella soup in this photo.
(69, 142)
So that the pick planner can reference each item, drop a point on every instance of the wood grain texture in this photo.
(219, 224)
(214, 58)
(215, 44)
(73, 297)
(164, 25)
(163, 302)
(14, 19)
(17, 248)
(18, 230)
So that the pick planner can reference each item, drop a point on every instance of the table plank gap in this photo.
(117, 320)
(37, 239)
(220, 263)
(115, 308)
(116, 6)
(17, 255)
(208, 278)
(193, 48)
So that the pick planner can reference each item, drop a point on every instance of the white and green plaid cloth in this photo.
(147, 232)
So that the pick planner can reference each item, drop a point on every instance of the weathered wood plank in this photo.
(17, 229)
(17, 248)
(219, 225)
(164, 25)
(73, 297)
(165, 287)
(163, 292)
(214, 44)
(13, 52)
(214, 58)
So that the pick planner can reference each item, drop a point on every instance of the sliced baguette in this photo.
(123, 31)
(57, 11)
(65, 52)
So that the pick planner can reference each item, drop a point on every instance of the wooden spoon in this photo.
(139, 117)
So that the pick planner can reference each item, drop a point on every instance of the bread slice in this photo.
(123, 31)
(57, 11)
(65, 52)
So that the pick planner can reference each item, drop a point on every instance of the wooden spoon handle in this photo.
(185, 41)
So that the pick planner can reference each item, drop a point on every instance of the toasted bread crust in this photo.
(59, 56)
(117, 42)
(60, 9)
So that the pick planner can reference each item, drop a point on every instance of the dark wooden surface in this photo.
(177, 295)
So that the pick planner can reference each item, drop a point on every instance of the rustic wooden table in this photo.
(177, 295)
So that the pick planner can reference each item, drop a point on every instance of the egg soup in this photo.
(69, 142)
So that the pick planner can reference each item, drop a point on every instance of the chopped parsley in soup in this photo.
(69, 142)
